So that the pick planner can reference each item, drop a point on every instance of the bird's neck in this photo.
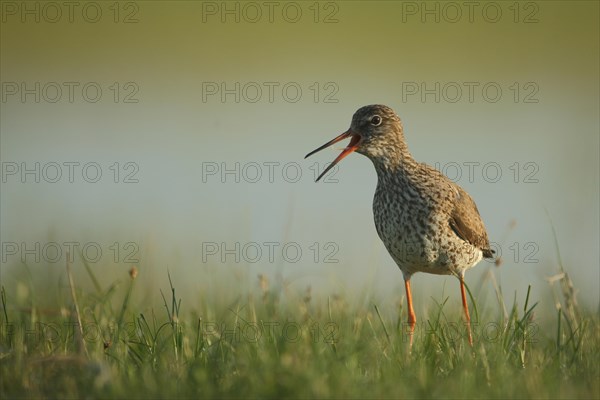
(394, 164)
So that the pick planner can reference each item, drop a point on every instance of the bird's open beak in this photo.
(352, 146)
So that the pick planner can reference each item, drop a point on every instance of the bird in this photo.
(427, 222)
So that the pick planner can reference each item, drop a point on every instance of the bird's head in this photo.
(375, 131)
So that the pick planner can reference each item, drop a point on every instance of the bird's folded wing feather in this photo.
(466, 222)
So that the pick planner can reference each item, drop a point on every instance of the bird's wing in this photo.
(466, 222)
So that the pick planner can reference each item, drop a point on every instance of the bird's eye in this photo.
(376, 120)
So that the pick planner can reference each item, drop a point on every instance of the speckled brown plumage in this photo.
(427, 222)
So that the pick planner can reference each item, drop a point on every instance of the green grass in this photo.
(270, 342)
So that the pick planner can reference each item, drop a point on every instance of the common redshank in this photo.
(426, 222)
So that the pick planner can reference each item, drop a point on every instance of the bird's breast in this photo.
(416, 233)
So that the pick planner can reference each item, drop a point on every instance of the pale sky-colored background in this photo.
(367, 52)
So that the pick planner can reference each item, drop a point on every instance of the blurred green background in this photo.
(162, 117)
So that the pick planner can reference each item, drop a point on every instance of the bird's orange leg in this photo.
(412, 318)
(466, 308)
